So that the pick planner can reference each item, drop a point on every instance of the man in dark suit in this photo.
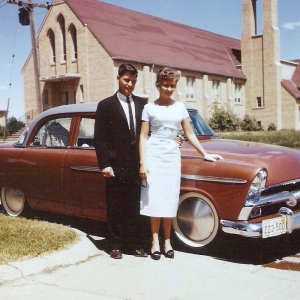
(117, 129)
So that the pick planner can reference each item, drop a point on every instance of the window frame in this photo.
(216, 90)
(63, 45)
(51, 36)
(238, 93)
(190, 87)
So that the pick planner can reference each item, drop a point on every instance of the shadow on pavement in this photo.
(231, 248)
(243, 250)
(101, 244)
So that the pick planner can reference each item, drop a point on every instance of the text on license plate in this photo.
(273, 227)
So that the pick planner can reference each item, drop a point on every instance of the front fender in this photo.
(225, 182)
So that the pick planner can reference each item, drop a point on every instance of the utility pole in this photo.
(35, 63)
(26, 18)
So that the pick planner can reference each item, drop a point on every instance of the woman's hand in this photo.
(212, 157)
(143, 171)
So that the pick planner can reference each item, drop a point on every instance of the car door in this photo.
(84, 187)
(43, 161)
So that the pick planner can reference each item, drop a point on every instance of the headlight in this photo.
(257, 184)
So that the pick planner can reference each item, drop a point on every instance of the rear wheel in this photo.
(13, 201)
(197, 223)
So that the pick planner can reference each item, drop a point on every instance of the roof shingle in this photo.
(133, 36)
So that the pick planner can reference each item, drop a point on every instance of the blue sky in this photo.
(219, 16)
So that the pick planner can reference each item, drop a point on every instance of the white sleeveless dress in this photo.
(159, 198)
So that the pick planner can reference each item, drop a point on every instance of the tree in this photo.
(13, 125)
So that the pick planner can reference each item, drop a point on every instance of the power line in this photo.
(26, 18)
(13, 56)
(10, 82)
(3, 4)
(31, 4)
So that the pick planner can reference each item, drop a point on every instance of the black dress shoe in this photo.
(116, 254)
(155, 255)
(140, 253)
(169, 254)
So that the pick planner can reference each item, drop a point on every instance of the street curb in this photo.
(80, 251)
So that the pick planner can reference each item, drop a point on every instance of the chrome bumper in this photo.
(254, 230)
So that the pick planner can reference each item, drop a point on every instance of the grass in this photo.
(25, 238)
(287, 138)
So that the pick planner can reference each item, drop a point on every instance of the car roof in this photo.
(73, 108)
(65, 109)
(70, 109)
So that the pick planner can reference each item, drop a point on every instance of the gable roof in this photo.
(138, 37)
(290, 86)
(293, 85)
(296, 75)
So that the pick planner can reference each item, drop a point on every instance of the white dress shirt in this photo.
(123, 101)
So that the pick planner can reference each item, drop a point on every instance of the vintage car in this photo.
(253, 192)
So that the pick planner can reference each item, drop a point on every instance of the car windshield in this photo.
(22, 137)
(199, 126)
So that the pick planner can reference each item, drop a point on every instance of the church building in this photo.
(80, 45)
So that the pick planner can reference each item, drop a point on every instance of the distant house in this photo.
(81, 44)
(3, 115)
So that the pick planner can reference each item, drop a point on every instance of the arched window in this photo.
(61, 21)
(73, 33)
(52, 46)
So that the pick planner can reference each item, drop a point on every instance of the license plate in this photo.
(273, 227)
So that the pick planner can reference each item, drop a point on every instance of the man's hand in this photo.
(108, 172)
(179, 140)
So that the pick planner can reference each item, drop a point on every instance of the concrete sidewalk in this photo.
(85, 271)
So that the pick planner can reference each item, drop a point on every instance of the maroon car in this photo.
(254, 191)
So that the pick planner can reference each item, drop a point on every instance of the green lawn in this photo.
(287, 138)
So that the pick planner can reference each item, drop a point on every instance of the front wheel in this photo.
(197, 223)
(13, 201)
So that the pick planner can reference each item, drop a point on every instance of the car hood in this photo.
(281, 163)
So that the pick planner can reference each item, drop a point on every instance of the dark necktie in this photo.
(131, 124)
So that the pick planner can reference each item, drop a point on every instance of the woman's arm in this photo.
(190, 135)
(142, 148)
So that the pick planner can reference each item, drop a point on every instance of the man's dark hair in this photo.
(123, 68)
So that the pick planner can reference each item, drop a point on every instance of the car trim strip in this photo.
(86, 169)
(213, 179)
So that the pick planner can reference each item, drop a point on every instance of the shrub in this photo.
(222, 120)
(2, 131)
(272, 127)
(250, 124)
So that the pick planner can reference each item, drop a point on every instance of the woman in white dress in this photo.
(160, 160)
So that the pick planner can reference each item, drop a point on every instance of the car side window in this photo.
(85, 137)
(54, 133)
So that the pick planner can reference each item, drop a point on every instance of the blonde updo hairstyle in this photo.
(165, 74)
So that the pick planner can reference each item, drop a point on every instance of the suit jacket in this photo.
(112, 136)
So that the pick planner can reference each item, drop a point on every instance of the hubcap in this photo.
(195, 219)
(13, 201)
